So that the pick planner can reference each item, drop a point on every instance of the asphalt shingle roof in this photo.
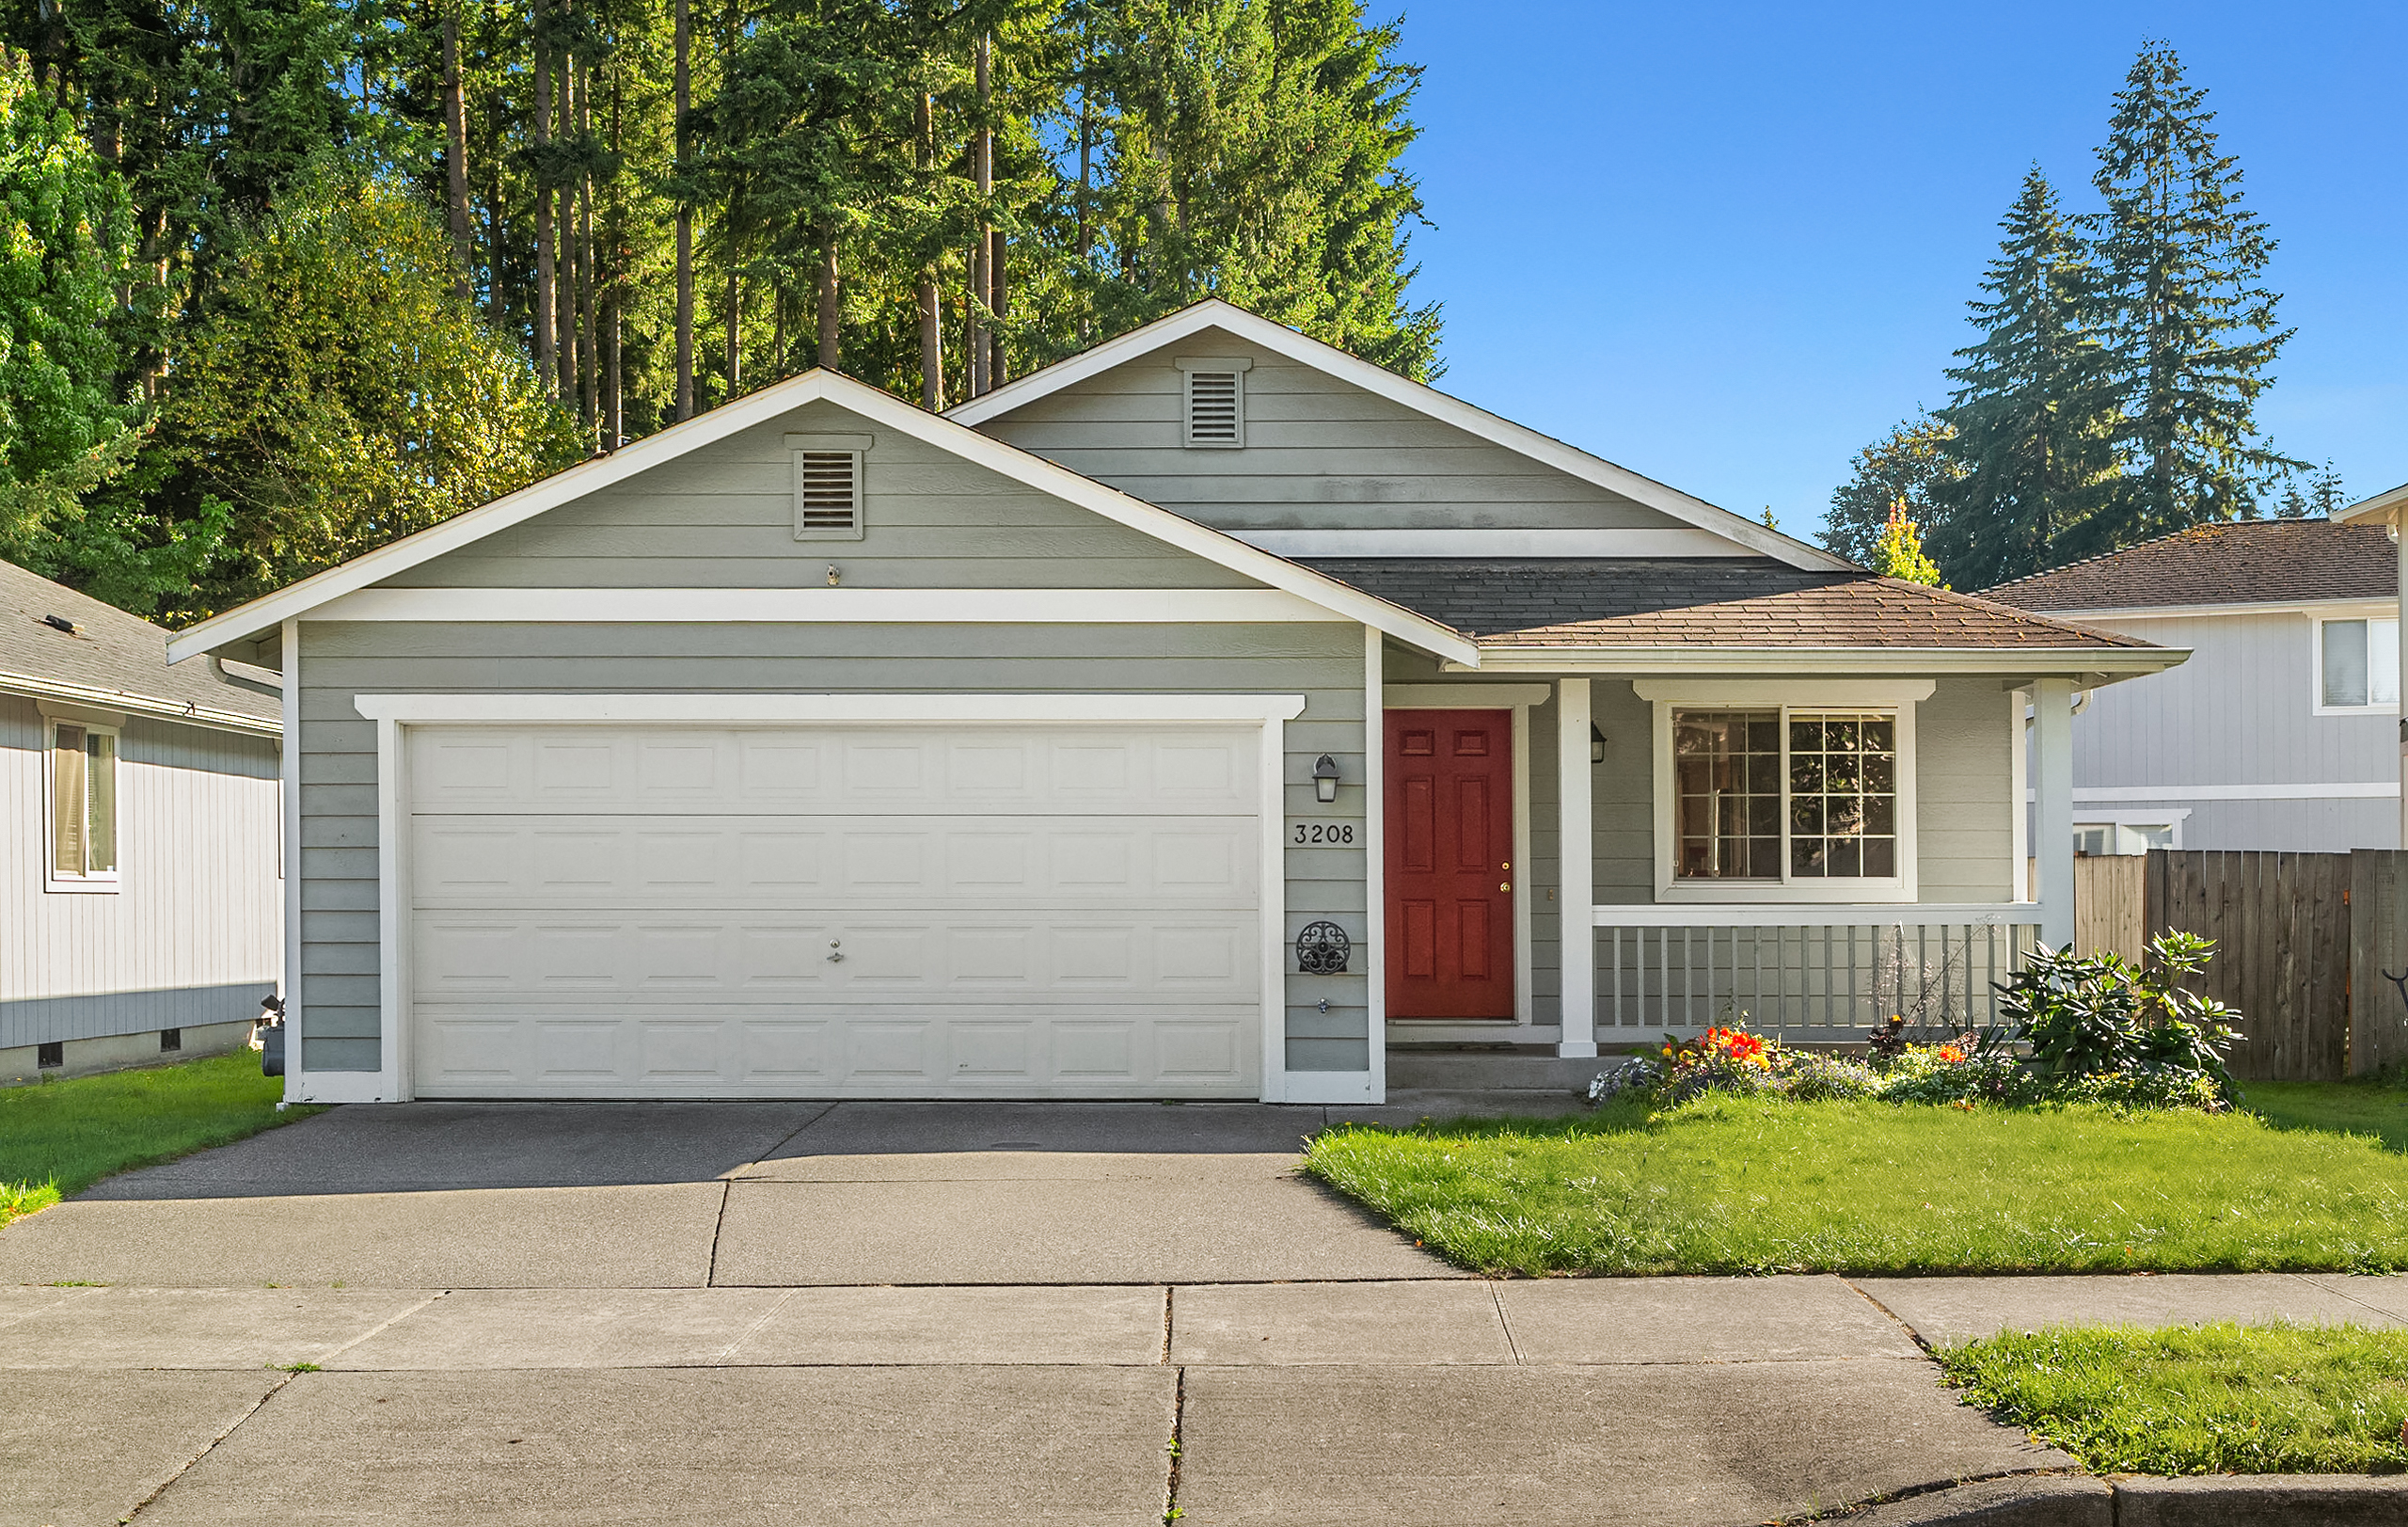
(2252, 561)
(1690, 601)
(108, 650)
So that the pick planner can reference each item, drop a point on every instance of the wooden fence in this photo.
(2306, 946)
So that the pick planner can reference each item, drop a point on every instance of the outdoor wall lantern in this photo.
(1596, 744)
(1324, 779)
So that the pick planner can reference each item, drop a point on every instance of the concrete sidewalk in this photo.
(888, 1313)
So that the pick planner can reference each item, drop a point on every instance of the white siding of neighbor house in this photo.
(1320, 453)
(724, 518)
(192, 937)
(2241, 712)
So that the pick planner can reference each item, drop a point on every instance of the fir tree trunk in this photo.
(931, 305)
(683, 107)
(827, 308)
(981, 290)
(547, 354)
(456, 151)
(588, 325)
(1000, 303)
(613, 276)
(735, 332)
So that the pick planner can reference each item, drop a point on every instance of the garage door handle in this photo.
(835, 959)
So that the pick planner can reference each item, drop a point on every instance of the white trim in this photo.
(2052, 808)
(1577, 875)
(109, 882)
(1518, 698)
(1792, 890)
(122, 702)
(1481, 541)
(2370, 616)
(289, 769)
(1462, 696)
(393, 1083)
(2199, 611)
(2372, 789)
(740, 708)
(2092, 666)
(1429, 402)
(880, 408)
(2383, 506)
(858, 606)
(1375, 857)
(1826, 915)
(2173, 817)
(1815, 694)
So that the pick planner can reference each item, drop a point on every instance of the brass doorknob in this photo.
(1507, 886)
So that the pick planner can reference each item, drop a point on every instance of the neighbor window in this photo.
(83, 803)
(1786, 795)
(2357, 664)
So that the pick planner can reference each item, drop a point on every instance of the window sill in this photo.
(1771, 892)
(82, 885)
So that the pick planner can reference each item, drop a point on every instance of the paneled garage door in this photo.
(834, 911)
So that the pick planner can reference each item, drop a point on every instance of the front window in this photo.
(2358, 664)
(1777, 795)
(83, 816)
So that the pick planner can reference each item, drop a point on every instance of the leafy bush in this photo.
(2098, 1016)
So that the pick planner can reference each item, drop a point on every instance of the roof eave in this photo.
(2091, 666)
(2384, 508)
(156, 707)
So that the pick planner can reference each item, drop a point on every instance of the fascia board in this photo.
(150, 707)
(2196, 611)
(1428, 401)
(2383, 506)
(881, 407)
(2107, 664)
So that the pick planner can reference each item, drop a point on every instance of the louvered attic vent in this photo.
(1215, 402)
(827, 486)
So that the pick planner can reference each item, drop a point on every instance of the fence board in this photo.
(2282, 926)
(2377, 944)
(2107, 905)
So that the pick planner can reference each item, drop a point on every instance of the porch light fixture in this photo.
(1596, 744)
(1324, 779)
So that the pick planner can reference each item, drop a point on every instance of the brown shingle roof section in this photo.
(1726, 602)
(2254, 562)
(109, 650)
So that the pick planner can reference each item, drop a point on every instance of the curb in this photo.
(2146, 1500)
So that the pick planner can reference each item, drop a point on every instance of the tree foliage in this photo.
(1899, 551)
(1905, 470)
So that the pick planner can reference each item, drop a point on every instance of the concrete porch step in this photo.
(1466, 1070)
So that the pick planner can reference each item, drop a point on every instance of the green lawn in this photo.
(2376, 1108)
(2219, 1399)
(1740, 1185)
(59, 1137)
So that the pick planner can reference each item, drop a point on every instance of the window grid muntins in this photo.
(1821, 785)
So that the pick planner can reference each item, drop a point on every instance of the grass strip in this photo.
(1727, 1185)
(57, 1138)
(2207, 1400)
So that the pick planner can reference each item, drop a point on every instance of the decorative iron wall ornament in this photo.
(1323, 949)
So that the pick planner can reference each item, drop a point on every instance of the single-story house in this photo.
(141, 898)
(2282, 731)
(1195, 718)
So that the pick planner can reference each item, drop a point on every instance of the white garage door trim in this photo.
(392, 1083)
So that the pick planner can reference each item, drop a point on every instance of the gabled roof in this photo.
(116, 661)
(1422, 399)
(2250, 561)
(771, 403)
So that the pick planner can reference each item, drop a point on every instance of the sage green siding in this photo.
(724, 517)
(1320, 453)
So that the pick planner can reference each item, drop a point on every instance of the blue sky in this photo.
(1729, 244)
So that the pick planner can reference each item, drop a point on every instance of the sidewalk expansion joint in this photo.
(2310, 1279)
(1172, 1511)
(1913, 1492)
(383, 1325)
(1912, 1335)
(1506, 1321)
(211, 1446)
(1168, 1289)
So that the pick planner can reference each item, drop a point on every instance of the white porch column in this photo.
(2400, 534)
(2052, 813)
(1577, 890)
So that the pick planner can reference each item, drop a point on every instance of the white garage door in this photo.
(675, 910)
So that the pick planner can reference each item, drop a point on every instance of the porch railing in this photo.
(1807, 973)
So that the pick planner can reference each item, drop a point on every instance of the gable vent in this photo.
(827, 489)
(1215, 402)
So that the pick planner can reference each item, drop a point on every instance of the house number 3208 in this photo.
(1322, 833)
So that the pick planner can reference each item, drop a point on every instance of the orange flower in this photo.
(1952, 1055)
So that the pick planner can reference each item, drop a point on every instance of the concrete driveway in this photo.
(876, 1313)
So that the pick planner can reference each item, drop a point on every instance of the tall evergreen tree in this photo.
(2034, 415)
(2186, 317)
(1903, 473)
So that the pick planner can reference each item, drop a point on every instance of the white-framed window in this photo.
(1785, 793)
(1212, 401)
(2104, 839)
(827, 486)
(83, 806)
(2357, 664)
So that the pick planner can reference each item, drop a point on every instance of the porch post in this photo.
(1577, 884)
(2052, 813)
(2400, 534)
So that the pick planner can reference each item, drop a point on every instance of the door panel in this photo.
(1450, 872)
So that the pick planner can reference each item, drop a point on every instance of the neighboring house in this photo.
(2281, 732)
(1191, 719)
(140, 895)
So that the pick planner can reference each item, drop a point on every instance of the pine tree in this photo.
(2187, 322)
(1911, 466)
(2034, 415)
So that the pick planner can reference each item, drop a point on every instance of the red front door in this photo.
(1451, 864)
